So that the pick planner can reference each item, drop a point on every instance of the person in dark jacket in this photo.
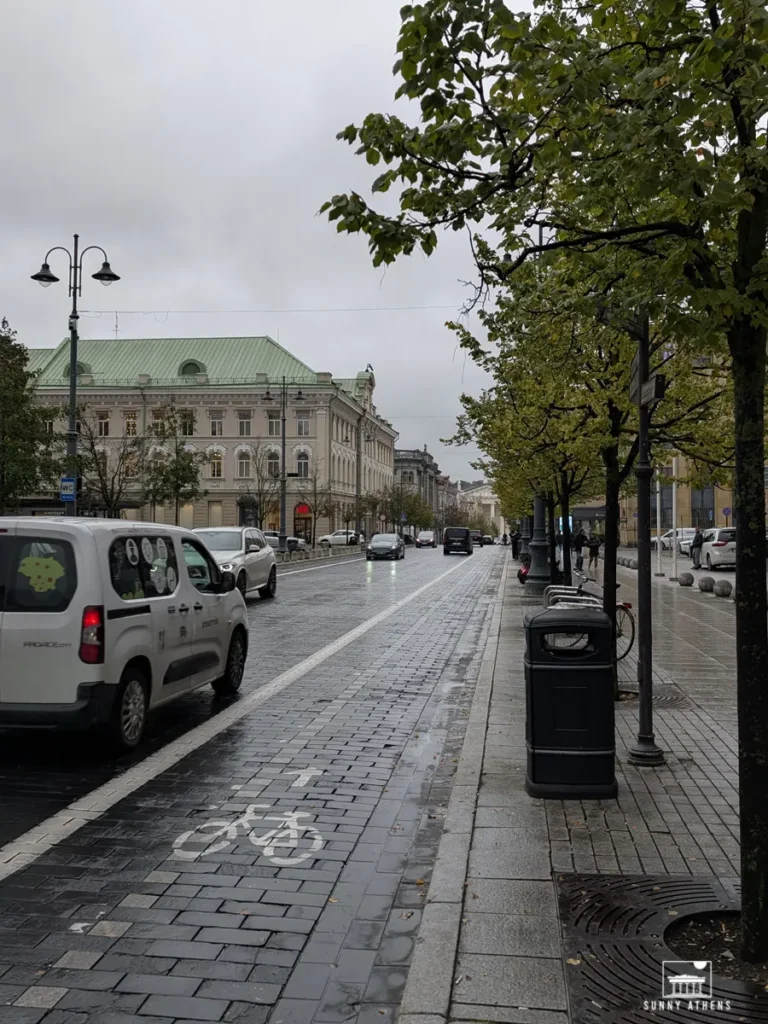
(593, 547)
(578, 543)
(696, 543)
(515, 538)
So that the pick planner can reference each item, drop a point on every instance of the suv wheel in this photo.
(129, 712)
(709, 562)
(232, 679)
(242, 584)
(270, 589)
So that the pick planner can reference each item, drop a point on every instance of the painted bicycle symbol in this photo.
(214, 836)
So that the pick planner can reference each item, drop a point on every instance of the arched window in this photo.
(214, 465)
(190, 369)
(273, 464)
(302, 465)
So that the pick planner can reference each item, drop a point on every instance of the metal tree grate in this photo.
(613, 946)
(664, 696)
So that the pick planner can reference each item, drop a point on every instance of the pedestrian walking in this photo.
(559, 546)
(593, 547)
(696, 543)
(504, 539)
(516, 544)
(578, 543)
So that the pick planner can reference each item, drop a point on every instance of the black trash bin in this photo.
(569, 704)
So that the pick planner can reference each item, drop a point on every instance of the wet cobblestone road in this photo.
(278, 871)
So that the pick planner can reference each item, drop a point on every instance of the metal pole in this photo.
(281, 542)
(358, 475)
(644, 752)
(70, 507)
(659, 571)
(675, 541)
(538, 575)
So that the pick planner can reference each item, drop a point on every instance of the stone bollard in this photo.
(706, 584)
(685, 579)
(723, 588)
(634, 564)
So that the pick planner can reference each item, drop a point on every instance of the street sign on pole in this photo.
(403, 517)
(726, 511)
(634, 378)
(653, 389)
(67, 488)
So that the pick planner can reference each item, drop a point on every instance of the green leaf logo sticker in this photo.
(43, 573)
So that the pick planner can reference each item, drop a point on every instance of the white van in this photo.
(102, 619)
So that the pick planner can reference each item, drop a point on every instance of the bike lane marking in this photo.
(25, 850)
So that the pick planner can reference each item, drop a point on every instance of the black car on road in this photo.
(385, 545)
(457, 540)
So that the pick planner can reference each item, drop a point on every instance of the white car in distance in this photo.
(719, 547)
(339, 539)
(245, 552)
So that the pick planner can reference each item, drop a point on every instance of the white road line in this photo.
(21, 852)
(314, 568)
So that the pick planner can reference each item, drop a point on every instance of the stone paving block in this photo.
(509, 853)
(76, 958)
(431, 971)
(244, 992)
(533, 982)
(159, 984)
(510, 935)
(505, 1015)
(185, 1007)
(295, 1011)
(41, 997)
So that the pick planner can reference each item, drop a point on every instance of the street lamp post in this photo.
(283, 385)
(46, 277)
(538, 574)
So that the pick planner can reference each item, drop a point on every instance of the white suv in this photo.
(101, 620)
(719, 547)
(339, 538)
(245, 552)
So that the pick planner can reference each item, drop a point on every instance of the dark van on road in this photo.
(457, 540)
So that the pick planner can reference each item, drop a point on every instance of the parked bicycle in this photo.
(625, 620)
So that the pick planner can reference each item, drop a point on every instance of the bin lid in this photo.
(559, 619)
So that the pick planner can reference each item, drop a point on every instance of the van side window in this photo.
(203, 571)
(42, 576)
(142, 567)
(6, 544)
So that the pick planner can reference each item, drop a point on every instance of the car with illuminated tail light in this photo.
(101, 621)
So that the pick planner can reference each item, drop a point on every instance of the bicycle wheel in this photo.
(625, 631)
(202, 842)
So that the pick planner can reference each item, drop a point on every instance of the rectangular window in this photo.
(217, 422)
(143, 567)
(302, 424)
(244, 467)
(130, 424)
(49, 426)
(103, 424)
(214, 466)
(42, 576)
(187, 423)
(273, 424)
(244, 424)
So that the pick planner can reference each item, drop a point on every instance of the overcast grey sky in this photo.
(195, 141)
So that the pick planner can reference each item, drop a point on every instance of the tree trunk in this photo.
(747, 345)
(553, 570)
(565, 508)
(612, 513)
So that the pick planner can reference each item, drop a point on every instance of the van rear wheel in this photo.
(129, 712)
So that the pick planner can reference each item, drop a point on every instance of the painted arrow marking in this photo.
(305, 775)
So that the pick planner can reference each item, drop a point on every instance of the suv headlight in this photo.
(227, 566)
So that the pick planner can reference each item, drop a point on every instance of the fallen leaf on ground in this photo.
(332, 899)
(574, 960)
(406, 914)
(420, 881)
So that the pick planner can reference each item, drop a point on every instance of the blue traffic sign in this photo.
(67, 488)
(726, 511)
(403, 517)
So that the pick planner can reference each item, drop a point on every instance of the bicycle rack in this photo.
(574, 601)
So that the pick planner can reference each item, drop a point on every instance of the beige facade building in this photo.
(227, 393)
(482, 501)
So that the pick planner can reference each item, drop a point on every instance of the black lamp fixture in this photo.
(299, 395)
(268, 396)
(45, 276)
(106, 275)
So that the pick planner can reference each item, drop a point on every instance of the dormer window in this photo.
(191, 368)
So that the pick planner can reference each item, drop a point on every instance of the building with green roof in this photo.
(227, 392)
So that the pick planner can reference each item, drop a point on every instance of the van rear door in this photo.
(6, 541)
(40, 628)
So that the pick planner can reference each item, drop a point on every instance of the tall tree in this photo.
(315, 490)
(172, 468)
(28, 461)
(633, 126)
(260, 497)
(110, 467)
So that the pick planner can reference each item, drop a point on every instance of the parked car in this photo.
(244, 551)
(272, 538)
(719, 547)
(339, 538)
(477, 537)
(667, 540)
(426, 539)
(408, 538)
(385, 545)
(102, 620)
(296, 544)
(487, 539)
(685, 535)
(457, 540)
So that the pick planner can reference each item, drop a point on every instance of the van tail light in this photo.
(92, 636)
(719, 543)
